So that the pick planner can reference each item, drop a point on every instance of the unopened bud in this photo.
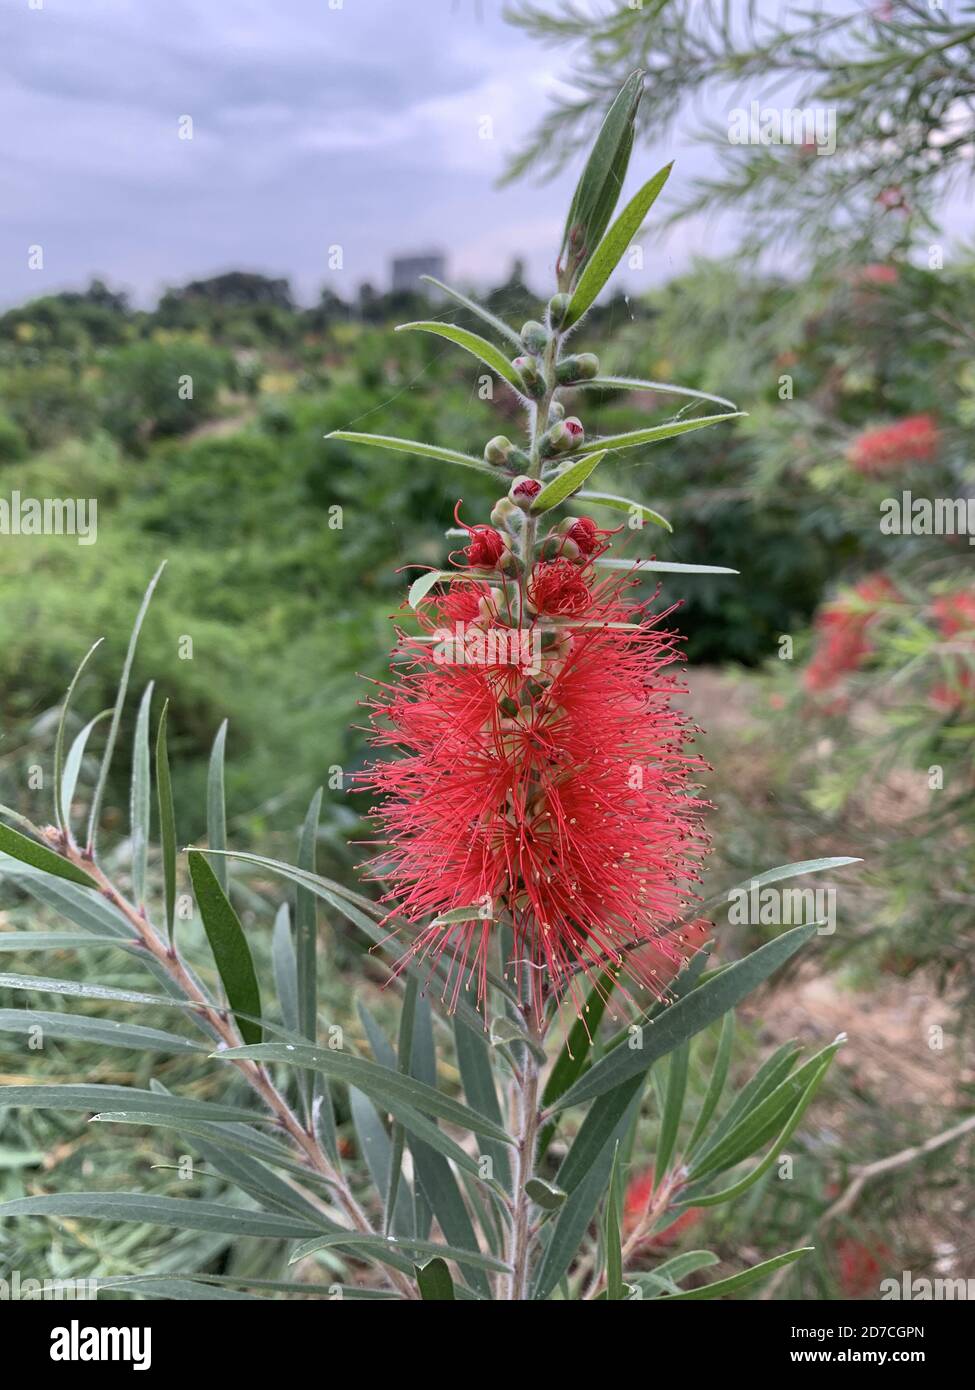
(509, 563)
(563, 437)
(557, 308)
(523, 492)
(502, 512)
(534, 337)
(580, 368)
(498, 449)
(556, 411)
(528, 374)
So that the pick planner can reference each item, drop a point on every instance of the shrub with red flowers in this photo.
(540, 842)
(883, 450)
(841, 631)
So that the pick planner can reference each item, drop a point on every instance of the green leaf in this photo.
(607, 1124)
(632, 383)
(598, 189)
(741, 1281)
(565, 483)
(624, 504)
(38, 856)
(79, 989)
(99, 792)
(216, 803)
(54, 940)
(434, 1281)
(673, 1107)
(783, 871)
(716, 1082)
(413, 446)
(101, 1032)
(678, 1267)
(732, 1193)
(229, 946)
(654, 433)
(660, 567)
(687, 1017)
(189, 1290)
(606, 256)
(139, 802)
(59, 797)
(178, 1212)
(378, 1245)
(611, 1232)
(499, 325)
(575, 1052)
(167, 822)
(96, 1098)
(72, 766)
(477, 1077)
(473, 343)
(388, 1088)
(306, 925)
(285, 968)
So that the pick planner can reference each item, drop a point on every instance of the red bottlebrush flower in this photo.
(486, 545)
(558, 589)
(640, 1192)
(877, 275)
(914, 440)
(954, 613)
(841, 628)
(585, 533)
(860, 1266)
(549, 784)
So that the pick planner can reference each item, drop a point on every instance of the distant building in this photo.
(408, 269)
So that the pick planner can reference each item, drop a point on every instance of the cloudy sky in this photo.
(357, 123)
(316, 123)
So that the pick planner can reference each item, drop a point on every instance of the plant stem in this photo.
(524, 1126)
(256, 1075)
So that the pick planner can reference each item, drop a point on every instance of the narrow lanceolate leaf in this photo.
(737, 1282)
(611, 1232)
(434, 1281)
(633, 383)
(564, 484)
(716, 1081)
(499, 325)
(59, 797)
(100, 1032)
(473, 343)
(379, 1245)
(167, 822)
(38, 856)
(414, 446)
(182, 1213)
(216, 804)
(783, 871)
(306, 925)
(229, 946)
(72, 766)
(607, 254)
(637, 510)
(598, 190)
(140, 798)
(97, 1098)
(673, 1107)
(387, 1088)
(687, 1017)
(52, 940)
(96, 800)
(574, 1056)
(632, 439)
(661, 567)
(285, 968)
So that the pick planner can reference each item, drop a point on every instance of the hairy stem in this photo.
(304, 1139)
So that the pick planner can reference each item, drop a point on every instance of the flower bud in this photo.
(559, 547)
(523, 492)
(498, 449)
(563, 437)
(509, 563)
(534, 337)
(556, 412)
(503, 512)
(557, 308)
(580, 368)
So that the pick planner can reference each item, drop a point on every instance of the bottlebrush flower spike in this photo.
(842, 632)
(914, 440)
(545, 776)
